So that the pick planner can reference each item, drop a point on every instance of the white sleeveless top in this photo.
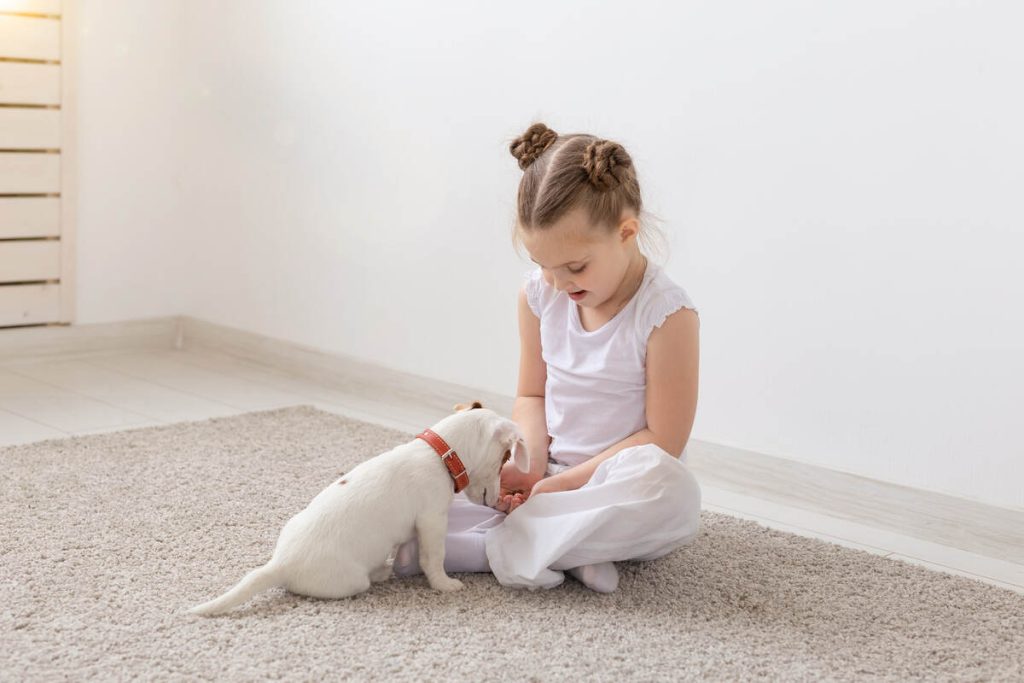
(595, 392)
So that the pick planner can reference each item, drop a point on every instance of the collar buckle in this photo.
(456, 469)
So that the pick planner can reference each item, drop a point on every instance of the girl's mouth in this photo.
(578, 295)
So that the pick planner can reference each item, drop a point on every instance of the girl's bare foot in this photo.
(602, 577)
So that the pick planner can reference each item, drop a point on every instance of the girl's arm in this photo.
(528, 411)
(671, 404)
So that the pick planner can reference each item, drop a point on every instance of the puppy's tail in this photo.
(256, 581)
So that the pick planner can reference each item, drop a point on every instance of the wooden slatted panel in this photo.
(71, 29)
(31, 6)
(29, 83)
(29, 128)
(23, 173)
(29, 37)
(29, 304)
(29, 217)
(31, 32)
(29, 260)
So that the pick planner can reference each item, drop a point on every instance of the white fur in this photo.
(340, 543)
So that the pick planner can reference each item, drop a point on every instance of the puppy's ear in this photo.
(513, 440)
(520, 458)
(459, 407)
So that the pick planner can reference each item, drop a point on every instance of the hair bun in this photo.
(531, 144)
(606, 164)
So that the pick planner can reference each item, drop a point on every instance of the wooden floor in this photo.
(110, 391)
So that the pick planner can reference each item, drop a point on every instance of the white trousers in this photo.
(640, 504)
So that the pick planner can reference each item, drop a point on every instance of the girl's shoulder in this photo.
(658, 298)
(533, 283)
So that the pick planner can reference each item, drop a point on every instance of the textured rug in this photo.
(107, 539)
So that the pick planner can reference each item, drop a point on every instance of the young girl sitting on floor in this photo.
(607, 385)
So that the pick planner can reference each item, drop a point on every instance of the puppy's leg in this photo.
(432, 528)
(381, 573)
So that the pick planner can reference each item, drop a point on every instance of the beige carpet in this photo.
(106, 539)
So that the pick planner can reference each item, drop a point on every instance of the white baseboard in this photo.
(976, 527)
(343, 372)
(968, 525)
(64, 341)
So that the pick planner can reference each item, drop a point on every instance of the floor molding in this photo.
(339, 371)
(66, 341)
(960, 523)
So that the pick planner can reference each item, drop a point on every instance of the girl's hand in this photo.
(515, 487)
(510, 501)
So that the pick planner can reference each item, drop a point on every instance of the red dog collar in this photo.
(448, 456)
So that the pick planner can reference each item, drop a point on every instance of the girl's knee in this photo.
(650, 453)
(653, 460)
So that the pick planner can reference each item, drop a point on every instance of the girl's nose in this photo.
(558, 283)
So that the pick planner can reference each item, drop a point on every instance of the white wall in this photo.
(841, 183)
(133, 230)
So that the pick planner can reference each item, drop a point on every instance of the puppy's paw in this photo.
(445, 583)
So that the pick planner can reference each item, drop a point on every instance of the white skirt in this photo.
(640, 504)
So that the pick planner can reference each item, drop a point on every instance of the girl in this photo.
(607, 385)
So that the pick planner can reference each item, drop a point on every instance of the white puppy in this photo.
(341, 542)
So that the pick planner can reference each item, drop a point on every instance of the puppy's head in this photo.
(497, 440)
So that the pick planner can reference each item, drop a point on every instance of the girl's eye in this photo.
(577, 272)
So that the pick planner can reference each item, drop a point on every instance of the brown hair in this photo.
(563, 172)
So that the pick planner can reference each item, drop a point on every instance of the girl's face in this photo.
(589, 264)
